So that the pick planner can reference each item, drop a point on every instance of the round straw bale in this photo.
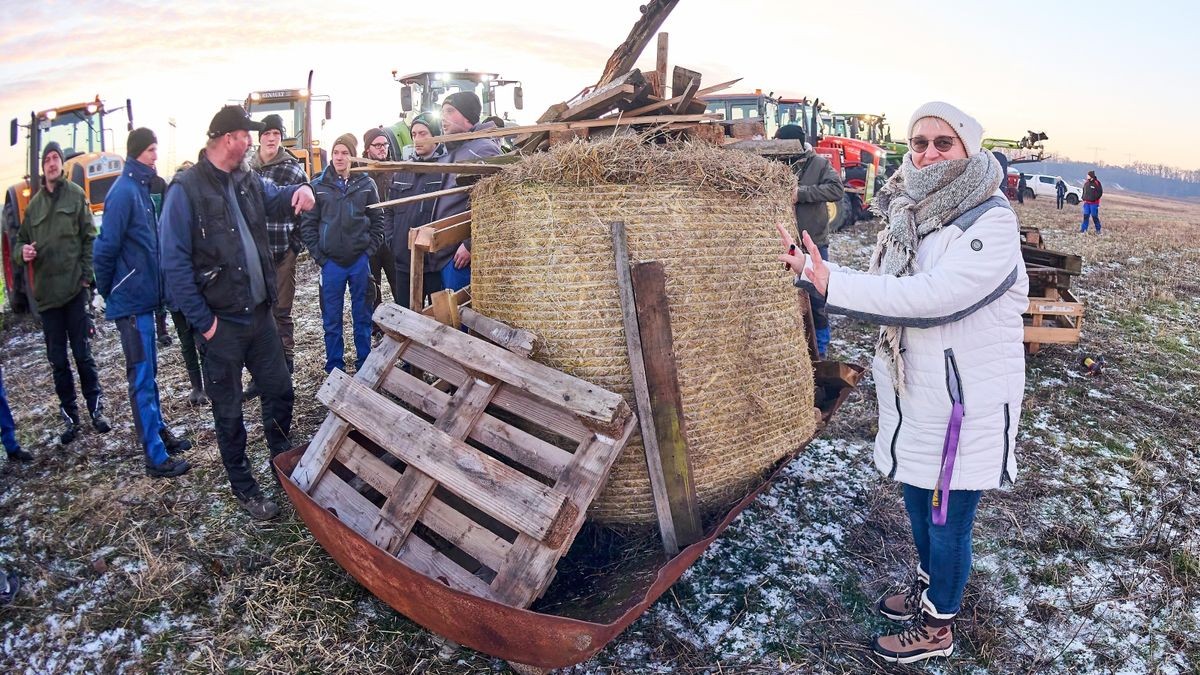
(542, 260)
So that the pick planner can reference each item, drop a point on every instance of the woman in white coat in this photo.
(947, 284)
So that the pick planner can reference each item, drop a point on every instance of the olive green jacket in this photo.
(62, 227)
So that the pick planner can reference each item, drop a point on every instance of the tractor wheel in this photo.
(14, 286)
(1073, 200)
(1029, 194)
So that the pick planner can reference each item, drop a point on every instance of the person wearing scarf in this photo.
(947, 285)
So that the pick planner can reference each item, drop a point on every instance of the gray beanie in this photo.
(969, 130)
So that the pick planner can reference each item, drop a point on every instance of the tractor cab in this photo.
(424, 92)
(738, 107)
(295, 107)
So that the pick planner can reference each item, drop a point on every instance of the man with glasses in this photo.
(219, 271)
(383, 262)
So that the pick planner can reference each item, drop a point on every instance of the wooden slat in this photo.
(469, 168)
(682, 77)
(572, 394)
(408, 498)
(662, 379)
(448, 237)
(522, 580)
(645, 411)
(420, 556)
(424, 235)
(689, 93)
(445, 309)
(670, 102)
(604, 97)
(1037, 335)
(1048, 306)
(513, 400)
(422, 197)
(416, 275)
(324, 444)
(477, 541)
(579, 126)
(524, 449)
(626, 55)
(500, 491)
(514, 340)
(660, 69)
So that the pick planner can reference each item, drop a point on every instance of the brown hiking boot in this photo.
(904, 606)
(930, 635)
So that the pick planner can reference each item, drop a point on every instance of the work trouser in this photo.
(944, 551)
(256, 347)
(1060, 202)
(187, 344)
(8, 427)
(1092, 210)
(334, 279)
(285, 286)
(141, 369)
(431, 283)
(383, 264)
(69, 324)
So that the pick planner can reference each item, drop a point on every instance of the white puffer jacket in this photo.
(961, 311)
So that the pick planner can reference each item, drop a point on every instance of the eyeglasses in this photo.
(921, 144)
(379, 145)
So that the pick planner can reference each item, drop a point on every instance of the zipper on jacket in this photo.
(1004, 475)
(896, 437)
(953, 381)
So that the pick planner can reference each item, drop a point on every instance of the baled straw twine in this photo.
(542, 260)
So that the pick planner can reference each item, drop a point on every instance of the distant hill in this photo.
(1151, 179)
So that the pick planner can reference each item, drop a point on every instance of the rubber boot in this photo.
(197, 396)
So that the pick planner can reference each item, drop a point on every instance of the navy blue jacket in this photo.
(207, 280)
(341, 227)
(125, 255)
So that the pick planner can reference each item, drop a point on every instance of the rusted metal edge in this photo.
(519, 635)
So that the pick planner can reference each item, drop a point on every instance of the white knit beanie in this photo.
(969, 130)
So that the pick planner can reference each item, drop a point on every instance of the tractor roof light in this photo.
(255, 96)
(92, 108)
(302, 93)
(51, 114)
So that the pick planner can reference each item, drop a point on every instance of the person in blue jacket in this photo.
(125, 258)
(219, 271)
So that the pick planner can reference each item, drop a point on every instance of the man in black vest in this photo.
(219, 271)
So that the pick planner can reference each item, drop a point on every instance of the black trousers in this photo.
(257, 347)
(187, 342)
(432, 283)
(69, 325)
(383, 263)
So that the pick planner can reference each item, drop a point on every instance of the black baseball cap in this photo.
(232, 118)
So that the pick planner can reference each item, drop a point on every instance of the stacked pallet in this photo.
(1054, 316)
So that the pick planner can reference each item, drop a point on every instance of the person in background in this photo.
(1060, 192)
(406, 217)
(1021, 185)
(1092, 192)
(377, 146)
(341, 234)
(8, 428)
(55, 239)
(947, 285)
(817, 192)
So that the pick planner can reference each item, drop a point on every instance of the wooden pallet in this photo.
(1054, 319)
(445, 482)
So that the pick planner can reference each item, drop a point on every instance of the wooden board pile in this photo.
(1054, 316)
(436, 474)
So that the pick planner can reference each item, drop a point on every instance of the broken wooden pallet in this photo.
(446, 486)
(1054, 319)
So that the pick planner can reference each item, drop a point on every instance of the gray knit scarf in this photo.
(914, 204)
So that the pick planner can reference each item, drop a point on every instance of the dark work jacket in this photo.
(341, 227)
(461, 151)
(1092, 191)
(125, 255)
(405, 217)
(203, 261)
(819, 187)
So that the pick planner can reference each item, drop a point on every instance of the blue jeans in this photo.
(944, 550)
(1092, 210)
(334, 279)
(8, 428)
(141, 369)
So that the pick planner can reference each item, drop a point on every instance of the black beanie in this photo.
(430, 122)
(272, 122)
(467, 103)
(139, 139)
(793, 132)
(53, 146)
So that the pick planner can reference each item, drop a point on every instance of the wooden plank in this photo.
(412, 492)
(445, 309)
(416, 276)
(645, 411)
(1038, 335)
(513, 400)
(603, 99)
(624, 119)
(524, 449)
(472, 168)
(626, 55)
(662, 379)
(324, 444)
(423, 558)
(680, 79)
(422, 197)
(670, 102)
(353, 509)
(515, 340)
(660, 69)
(574, 395)
(519, 583)
(426, 234)
(504, 493)
(689, 92)
(477, 541)
(1047, 306)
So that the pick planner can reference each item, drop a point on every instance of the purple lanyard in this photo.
(941, 491)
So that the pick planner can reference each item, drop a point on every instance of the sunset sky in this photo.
(1113, 81)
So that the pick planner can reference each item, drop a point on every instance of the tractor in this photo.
(295, 107)
(80, 130)
(423, 92)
